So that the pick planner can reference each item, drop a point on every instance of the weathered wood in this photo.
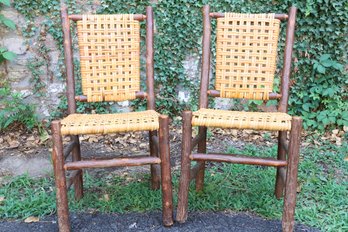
(202, 148)
(281, 155)
(194, 171)
(154, 139)
(181, 214)
(167, 192)
(282, 172)
(196, 140)
(221, 15)
(238, 159)
(76, 156)
(203, 98)
(216, 93)
(118, 162)
(155, 170)
(83, 98)
(72, 178)
(149, 59)
(138, 17)
(68, 149)
(283, 142)
(288, 221)
(60, 179)
(68, 56)
(289, 43)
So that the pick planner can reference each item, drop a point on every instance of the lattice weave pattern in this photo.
(246, 49)
(110, 57)
(77, 124)
(272, 121)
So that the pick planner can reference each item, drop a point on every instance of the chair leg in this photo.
(155, 176)
(288, 221)
(202, 148)
(60, 179)
(279, 184)
(181, 214)
(167, 192)
(76, 156)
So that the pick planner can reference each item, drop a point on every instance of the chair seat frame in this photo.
(159, 158)
(288, 152)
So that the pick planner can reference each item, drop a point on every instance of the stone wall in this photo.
(18, 74)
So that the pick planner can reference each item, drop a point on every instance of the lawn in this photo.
(322, 198)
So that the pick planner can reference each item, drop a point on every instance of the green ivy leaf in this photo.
(338, 66)
(9, 23)
(321, 69)
(324, 57)
(9, 55)
(6, 2)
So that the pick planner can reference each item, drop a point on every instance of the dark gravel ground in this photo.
(200, 222)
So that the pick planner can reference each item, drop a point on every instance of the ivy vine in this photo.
(319, 89)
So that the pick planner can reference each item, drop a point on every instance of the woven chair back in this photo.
(110, 57)
(246, 49)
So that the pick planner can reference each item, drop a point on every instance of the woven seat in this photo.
(76, 124)
(272, 121)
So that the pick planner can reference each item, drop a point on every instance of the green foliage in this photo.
(319, 91)
(321, 203)
(4, 53)
(34, 65)
(15, 110)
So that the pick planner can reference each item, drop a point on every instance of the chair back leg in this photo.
(60, 179)
(181, 214)
(76, 156)
(202, 148)
(291, 175)
(166, 180)
(155, 175)
(279, 184)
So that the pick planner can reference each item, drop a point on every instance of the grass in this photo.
(322, 201)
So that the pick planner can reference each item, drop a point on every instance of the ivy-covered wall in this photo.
(319, 81)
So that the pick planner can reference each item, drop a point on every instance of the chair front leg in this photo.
(279, 184)
(76, 156)
(166, 177)
(202, 148)
(155, 175)
(60, 179)
(181, 214)
(288, 222)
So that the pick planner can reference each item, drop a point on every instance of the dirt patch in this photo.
(22, 152)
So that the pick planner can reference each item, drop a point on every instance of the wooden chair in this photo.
(110, 71)
(246, 48)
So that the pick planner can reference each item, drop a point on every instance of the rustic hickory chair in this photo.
(109, 48)
(246, 48)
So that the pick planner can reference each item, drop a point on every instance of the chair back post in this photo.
(149, 59)
(285, 81)
(203, 98)
(68, 56)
